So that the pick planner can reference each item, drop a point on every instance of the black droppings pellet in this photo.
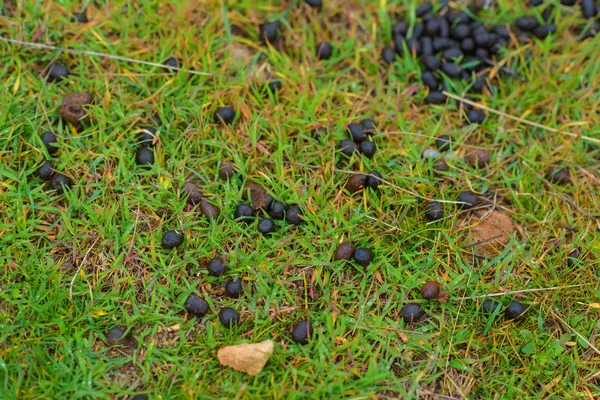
(266, 226)
(368, 148)
(347, 147)
(547, 14)
(388, 55)
(490, 306)
(527, 23)
(430, 290)
(228, 317)
(60, 182)
(196, 305)
(274, 86)
(302, 332)
(444, 28)
(482, 53)
(588, 8)
(418, 31)
(373, 180)
(568, 2)
(435, 97)
(49, 140)
(314, 3)
(573, 258)
(319, 132)
(451, 69)
(426, 46)
(432, 27)
(452, 53)
(435, 211)
(171, 240)
(356, 183)
(234, 289)
(324, 51)
(216, 267)
(411, 312)
(443, 142)
(423, 9)
(414, 46)
(80, 17)
(356, 132)
(502, 31)
(430, 80)
(117, 336)
(432, 63)
(46, 171)
(515, 311)
(147, 136)
(560, 176)
(469, 198)
(269, 31)
(468, 45)
(542, 31)
(224, 115)
(363, 256)
(399, 42)
(535, 3)
(226, 170)
(344, 251)
(58, 72)
(244, 212)
(482, 38)
(461, 31)
(144, 156)
(293, 215)
(172, 62)
(399, 28)
(368, 126)
(475, 116)
(277, 210)
(477, 85)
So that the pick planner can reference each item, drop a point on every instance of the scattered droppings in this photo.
(259, 197)
(363, 256)
(226, 170)
(302, 332)
(356, 132)
(60, 182)
(324, 51)
(374, 179)
(147, 136)
(274, 86)
(224, 115)
(293, 215)
(46, 171)
(171, 240)
(443, 142)
(144, 156)
(277, 210)
(573, 258)
(356, 183)
(209, 210)
(515, 311)
(345, 251)
(228, 317)
(234, 289)
(118, 336)
(490, 306)
(430, 290)
(244, 212)
(314, 3)
(58, 72)
(475, 116)
(559, 176)
(347, 147)
(269, 31)
(368, 148)
(171, 63)
(469, 198)
(196, 305)
(216, 267)
(72, 109)
(266, 226)
(435, 211)
(80, 17)
(411, 312)
(477, 158)
(49, 140)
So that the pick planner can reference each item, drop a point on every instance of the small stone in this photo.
(249, 358)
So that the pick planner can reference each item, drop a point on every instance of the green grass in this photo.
(75, 266)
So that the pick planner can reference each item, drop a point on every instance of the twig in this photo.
(521, 291)
(103, 55)
(79, 269)
(522, 120)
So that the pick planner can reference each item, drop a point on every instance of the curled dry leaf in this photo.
(248, 357)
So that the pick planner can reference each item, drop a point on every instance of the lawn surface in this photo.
(77, 265)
